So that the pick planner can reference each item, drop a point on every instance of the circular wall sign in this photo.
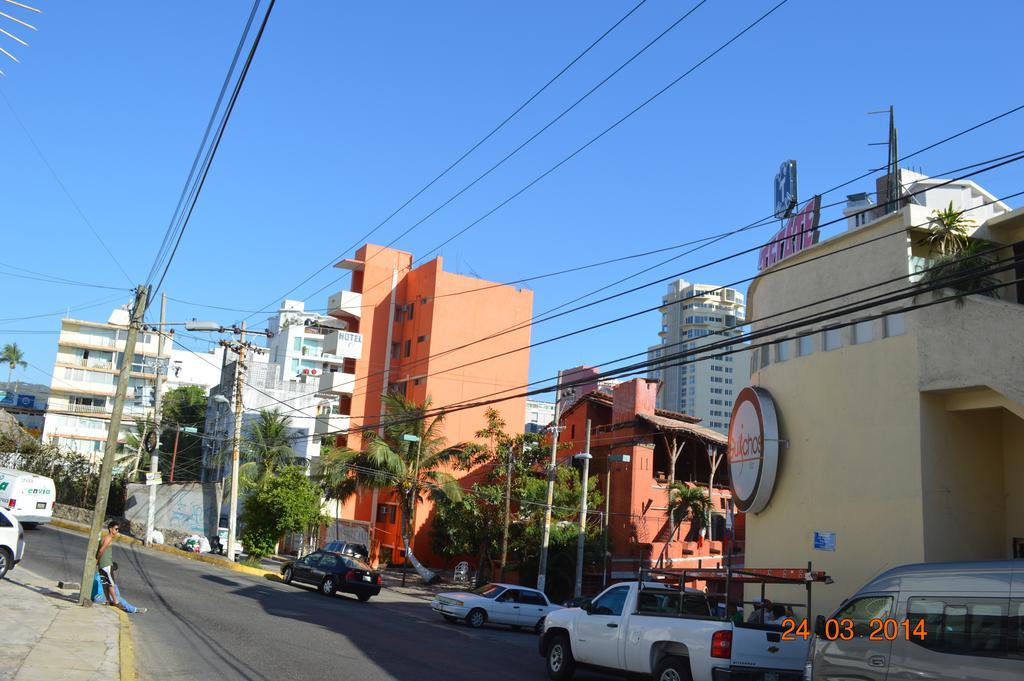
(753, 449)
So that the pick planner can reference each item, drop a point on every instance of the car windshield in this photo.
(488, 590)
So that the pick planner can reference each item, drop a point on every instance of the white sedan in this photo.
(498, 603)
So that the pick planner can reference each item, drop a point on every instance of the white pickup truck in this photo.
(650, 629)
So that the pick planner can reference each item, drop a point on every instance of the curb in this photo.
(163, 548)
(126, 647)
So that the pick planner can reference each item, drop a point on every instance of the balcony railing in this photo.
(338, 383)
(331, 423)
(86, 363)
(82, 408)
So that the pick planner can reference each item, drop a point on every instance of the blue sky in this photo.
(351, 107)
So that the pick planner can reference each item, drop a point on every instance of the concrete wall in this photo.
(843, 469)
(962, 482)
(1013, 474)
(186, 508)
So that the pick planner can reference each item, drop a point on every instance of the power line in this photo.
(63, 188)
(469, 151)
(51, 279)
(1007, 160)
(104, 301)
(176, 215)
(216, 145)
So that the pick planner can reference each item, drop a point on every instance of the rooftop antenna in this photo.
(893, 183)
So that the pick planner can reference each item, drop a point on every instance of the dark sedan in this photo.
(331, 572)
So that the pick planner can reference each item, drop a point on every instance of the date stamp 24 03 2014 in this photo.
(846, 630)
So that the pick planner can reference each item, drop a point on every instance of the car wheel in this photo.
(538, 628)
(287, 579)
(673, 669)
(363, 597)
(561, 663)
(450, 618)
(328, 586)
(6, 562)
(476, 618)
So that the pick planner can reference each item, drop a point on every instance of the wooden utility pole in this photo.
(154, 456)
(235, 443)
(110, 453)
(508, 506)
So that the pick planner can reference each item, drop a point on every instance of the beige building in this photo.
(89, 355)
(901, 438)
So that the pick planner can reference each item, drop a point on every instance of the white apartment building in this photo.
(539, 415)
(89, 356)
(693, 316)
(195, 368)
(309, 366)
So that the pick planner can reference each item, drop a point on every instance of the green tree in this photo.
(287, 502)
(14, 358)
(336, 475)
(182, 407)
(412, 470)
(267, 448)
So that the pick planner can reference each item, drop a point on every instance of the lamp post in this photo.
(585, 457)
(408, 437)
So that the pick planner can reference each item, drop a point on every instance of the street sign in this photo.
(189, 429)
(154, 478)
(624, 458)
(824, 541)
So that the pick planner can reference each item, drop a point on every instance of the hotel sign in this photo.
(800, 232)
(753, 449)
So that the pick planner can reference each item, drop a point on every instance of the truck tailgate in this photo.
(762, 647)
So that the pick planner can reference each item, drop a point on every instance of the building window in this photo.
(832, 339)
(386, 513)
(804, 346)
(411, 307)
(396, 350)
(408, 348)
(894, 325)
(863, 332)
(782, 351)
(765, 357)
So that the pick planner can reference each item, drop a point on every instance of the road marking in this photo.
(126, 647)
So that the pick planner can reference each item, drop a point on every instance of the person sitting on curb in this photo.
(98, 595)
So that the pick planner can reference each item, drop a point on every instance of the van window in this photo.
(964, 626)
(1016, 637)
(863, 610)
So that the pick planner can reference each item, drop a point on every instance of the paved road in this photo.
(206, 622)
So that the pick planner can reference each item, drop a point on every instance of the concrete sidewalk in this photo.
(47, 635)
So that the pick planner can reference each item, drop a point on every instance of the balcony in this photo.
(77, 339)
(72, 360)
(341, 344)
(337, 383)
(331, 423)
(345, 304)
(82, 408)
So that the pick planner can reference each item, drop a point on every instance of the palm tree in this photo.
(689, 502)
(411, 469)
(267, 448)
(948, 232)
(14, 358)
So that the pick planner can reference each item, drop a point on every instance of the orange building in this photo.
(419, 328)
(631, 443)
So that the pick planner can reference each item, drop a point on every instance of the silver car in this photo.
(935, 621)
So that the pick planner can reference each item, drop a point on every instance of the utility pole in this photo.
(110, 453)
(581, 540)
(545, 539)
(154, 456)
(508, 506)
(235, 442)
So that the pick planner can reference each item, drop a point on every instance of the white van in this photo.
(936, 621)
(28, 497)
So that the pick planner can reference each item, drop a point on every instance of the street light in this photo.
(409, 437)
(585, 457)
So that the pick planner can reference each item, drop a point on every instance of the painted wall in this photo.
(189, 507)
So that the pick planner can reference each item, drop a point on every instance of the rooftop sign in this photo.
(785, 190)
(800, 232)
